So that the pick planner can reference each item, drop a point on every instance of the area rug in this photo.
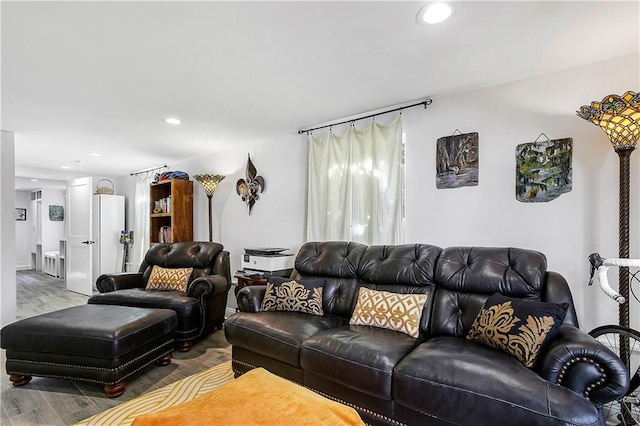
(165, 397)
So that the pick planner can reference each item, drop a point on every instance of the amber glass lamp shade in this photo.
(618, 116)
(209, 182)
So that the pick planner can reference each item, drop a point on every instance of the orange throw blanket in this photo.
(255, 398)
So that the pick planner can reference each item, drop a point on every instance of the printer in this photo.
(266, 261)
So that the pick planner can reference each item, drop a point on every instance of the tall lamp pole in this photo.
(623, 234)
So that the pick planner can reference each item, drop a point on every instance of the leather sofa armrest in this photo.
(581, 363)
(557, 290)
(222, 266)
(112, 282)
(250, 298)
(208, 286)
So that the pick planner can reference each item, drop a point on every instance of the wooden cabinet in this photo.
(171, 211)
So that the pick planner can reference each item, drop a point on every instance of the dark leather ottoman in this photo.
(95, 343)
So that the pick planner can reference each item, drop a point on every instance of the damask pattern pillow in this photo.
(518, 327)
(169, 278)
(393, 311)
(295, 296)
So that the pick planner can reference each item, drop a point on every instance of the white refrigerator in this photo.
(107, 223)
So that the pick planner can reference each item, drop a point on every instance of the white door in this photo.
(79, 240)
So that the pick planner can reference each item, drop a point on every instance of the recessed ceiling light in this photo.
(65, 167)
(434, 13)
(93, 154)
(172, 120)
(33, 180)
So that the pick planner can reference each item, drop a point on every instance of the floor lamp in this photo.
(209, 183)
(619, 117)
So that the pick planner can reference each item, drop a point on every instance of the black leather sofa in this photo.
(200, 310)
(440, 377)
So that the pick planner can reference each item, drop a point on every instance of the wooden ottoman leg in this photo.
(165, 360)
(19, 380)
(185, 346)
(116, 390)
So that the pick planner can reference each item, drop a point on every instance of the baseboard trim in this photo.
(23, 266)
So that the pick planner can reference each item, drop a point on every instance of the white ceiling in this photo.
(80, 77)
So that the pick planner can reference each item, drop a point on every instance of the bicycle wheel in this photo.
(625, 411)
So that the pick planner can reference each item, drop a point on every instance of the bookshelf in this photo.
(171, 211)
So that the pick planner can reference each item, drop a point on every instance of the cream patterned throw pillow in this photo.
(394, 311)
(169, 278)
(283, 295)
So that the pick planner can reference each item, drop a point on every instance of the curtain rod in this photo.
(426, 102)
(164, 166)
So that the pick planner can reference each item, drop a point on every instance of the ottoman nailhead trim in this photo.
(386, 419)
(591, 387)
(93, 368)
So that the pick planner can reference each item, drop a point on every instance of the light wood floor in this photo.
(46, 401)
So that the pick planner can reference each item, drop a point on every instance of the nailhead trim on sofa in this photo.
(603, 375)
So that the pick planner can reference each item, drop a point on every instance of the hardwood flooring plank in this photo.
(65, 396)
(26, 405)
(4, 416)
(38, 416)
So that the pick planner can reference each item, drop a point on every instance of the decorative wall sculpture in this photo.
(457, 161)
(250, 189)
(543, 170)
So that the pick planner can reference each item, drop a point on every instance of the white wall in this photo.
(24, 233)
(7, 229)
(566, 229)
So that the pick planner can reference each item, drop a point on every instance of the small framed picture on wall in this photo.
(21, 214)
(56, 213)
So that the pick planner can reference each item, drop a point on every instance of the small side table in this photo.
(245, 280)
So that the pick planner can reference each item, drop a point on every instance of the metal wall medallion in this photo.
(249, 190)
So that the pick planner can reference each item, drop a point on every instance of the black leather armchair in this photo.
(199, 310)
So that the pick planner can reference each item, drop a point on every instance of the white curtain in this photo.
(356, 185)
(141, 219)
